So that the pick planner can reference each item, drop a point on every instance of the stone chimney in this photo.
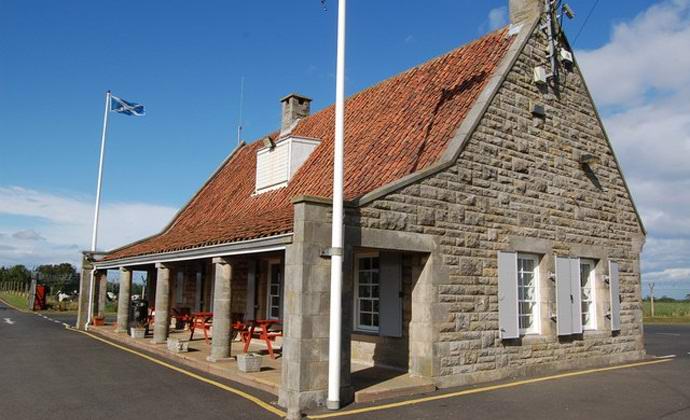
(294, 107)
(524, 10)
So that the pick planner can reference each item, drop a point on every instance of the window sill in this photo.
(535, 339)
(365, 332)
(596, 334)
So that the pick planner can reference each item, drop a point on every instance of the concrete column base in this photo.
(333, 405)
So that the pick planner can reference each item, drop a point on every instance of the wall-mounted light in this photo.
(588, 159)
(568, 11)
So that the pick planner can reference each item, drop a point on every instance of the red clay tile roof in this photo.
(393, 129)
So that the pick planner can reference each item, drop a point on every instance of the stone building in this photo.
(489, 230)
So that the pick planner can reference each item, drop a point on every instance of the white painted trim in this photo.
(273, 262)
(593, 286)
(357, 327)
(237, 248)
(536, 312)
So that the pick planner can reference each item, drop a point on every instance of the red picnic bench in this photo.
(266, 330)
(202, 321)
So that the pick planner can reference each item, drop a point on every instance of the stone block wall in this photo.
(518, 185)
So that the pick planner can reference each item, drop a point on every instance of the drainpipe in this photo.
(335, 331)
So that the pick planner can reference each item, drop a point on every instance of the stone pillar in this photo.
(151, 287)
(102, 282)
(424, 358)
(84, 281)
(220, 341)
(161, 321)
(124, 299)
(306, 312)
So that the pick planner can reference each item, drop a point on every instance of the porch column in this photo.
(220, 341)
(123, 299)
(161, 322)
(304, 382)
(102, 282)
(151, 287)
(84, 280)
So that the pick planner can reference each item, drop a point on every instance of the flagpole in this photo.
(335, 332)
(94, 237)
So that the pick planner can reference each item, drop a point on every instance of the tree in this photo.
(17, 273)
(58, 277)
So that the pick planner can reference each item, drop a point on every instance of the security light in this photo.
(568, 11)
(587, 159)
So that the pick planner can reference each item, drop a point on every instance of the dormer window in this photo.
(278, 160)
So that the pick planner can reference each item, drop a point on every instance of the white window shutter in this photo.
(614, 287)
(390, 294)
(564, 300)
(508, 322)
(576, 292)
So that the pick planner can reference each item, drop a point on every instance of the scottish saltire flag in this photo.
(127, 108)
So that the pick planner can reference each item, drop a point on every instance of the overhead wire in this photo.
(589, 15)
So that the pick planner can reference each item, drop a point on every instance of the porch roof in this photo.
(393, 129)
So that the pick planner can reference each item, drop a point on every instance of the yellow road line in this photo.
(482, 389)
(272, 409)
(266, 406)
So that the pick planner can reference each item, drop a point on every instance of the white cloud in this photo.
(498, 17)
(647, 54)
(670, 274)
(65, 221)
(641, 78)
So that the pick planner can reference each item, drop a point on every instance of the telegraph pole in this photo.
(651, 296)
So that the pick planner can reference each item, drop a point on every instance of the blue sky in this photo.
(184, 61)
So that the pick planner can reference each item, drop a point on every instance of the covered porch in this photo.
(381, 358)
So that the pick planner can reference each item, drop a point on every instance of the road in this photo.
(47, 371)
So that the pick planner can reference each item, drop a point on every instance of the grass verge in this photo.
(15, 300)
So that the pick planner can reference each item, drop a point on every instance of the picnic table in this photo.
(266, 330)
(200, 320)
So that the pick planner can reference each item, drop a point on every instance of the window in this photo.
(528, 293)
(587, 287)
(275, 283)
(367, 293)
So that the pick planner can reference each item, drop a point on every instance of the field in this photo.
(667, 312)
(20, 301)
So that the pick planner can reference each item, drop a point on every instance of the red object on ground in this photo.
(40, 298)
(264, 333)
(203, 321)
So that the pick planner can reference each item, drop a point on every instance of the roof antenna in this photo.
(239, 124)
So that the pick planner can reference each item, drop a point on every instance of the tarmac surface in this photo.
(48, 371)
